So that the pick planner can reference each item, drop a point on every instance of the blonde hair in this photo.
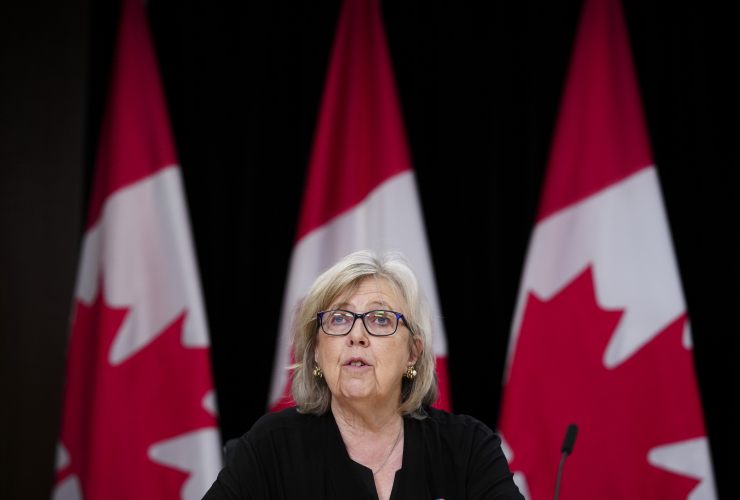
(312, 394)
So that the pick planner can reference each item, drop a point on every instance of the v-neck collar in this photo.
(413, 482)
(346, 480)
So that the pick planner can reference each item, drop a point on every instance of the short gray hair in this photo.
(312, 394)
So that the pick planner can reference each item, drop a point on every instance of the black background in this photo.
(480, 87)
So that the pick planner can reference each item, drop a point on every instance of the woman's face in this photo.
(358, 366)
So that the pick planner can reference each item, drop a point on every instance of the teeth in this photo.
(357, 363)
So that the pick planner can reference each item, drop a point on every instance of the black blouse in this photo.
(287, 455)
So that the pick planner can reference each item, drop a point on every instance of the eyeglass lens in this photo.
(376, 322)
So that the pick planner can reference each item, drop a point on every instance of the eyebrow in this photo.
(370, 304)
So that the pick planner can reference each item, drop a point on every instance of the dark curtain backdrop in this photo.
(480, 87)
(43, 72)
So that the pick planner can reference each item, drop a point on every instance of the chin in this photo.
(356, 391)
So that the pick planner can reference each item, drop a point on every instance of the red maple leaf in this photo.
(113, 414)
(558, 377)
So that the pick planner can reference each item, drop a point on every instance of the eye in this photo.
(381, 319)
(339, 318)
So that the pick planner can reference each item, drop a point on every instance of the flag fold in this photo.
(139, 413)
(600, 336)
(360, 190)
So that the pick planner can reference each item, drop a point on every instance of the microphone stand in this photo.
(570, 440)
(560, 474)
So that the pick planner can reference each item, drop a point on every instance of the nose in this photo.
(358, 335)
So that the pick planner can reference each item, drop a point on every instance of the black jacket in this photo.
(287, 455)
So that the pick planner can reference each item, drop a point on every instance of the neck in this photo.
(359, 420)
(371, 438)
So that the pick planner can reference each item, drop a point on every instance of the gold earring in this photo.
(410, 373)
(317, 372)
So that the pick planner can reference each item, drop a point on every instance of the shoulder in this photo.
(283, 429)
(285, 424)
(278, 443)
(461, 436)
(466, 456)
(454, 426)
(287, 418)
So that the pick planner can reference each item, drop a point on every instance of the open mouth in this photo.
(356, 363)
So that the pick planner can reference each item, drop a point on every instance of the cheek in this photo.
(320, 356)
(322, 353)
(397, 356)
(316, 348)
(327, 352)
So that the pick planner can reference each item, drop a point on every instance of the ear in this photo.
(316, 349)
(414, 355)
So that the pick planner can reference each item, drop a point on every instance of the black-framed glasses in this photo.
(339, 322)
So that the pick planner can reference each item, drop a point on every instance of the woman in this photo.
(363, 380)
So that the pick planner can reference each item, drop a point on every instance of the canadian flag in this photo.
(360, 190)
(139, 414)
(600, 335)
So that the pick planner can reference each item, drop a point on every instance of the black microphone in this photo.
(567, 449)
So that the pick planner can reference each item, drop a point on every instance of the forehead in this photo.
(370, 292)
